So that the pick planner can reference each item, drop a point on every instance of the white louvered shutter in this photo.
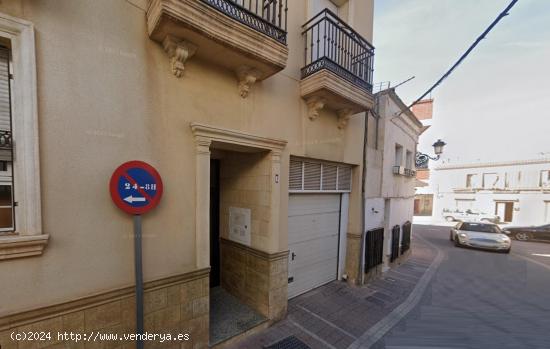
(329, 177)
(312, 176)
(5, 112)
(5, 115)
(296, 175)
(344, 178)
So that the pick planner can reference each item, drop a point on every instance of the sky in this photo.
(495, 106)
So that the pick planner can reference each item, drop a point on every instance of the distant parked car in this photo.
(537, 233)
(469, 216)
(485, 236)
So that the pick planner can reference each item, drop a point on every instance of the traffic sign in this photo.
(136, 187)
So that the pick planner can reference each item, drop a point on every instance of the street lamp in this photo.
(422, 159)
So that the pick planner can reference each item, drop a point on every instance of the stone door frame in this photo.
(205, 136)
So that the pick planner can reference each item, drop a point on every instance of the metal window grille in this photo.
(374, 248)
(395, 232)
(406, 238)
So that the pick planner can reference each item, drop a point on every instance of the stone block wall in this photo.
(245, 183)
(256, 278)
(174, 305)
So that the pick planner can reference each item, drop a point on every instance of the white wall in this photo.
(529, 207)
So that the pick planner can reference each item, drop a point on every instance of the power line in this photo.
(470, 49)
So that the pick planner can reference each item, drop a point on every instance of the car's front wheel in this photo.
(521, 236)
(457, 243)
(449, 219)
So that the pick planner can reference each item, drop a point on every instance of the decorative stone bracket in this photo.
(343, 116)
(247, 77)
(179, 51)
(314, 105)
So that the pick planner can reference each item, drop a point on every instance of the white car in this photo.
(485, 236)
(469, 216)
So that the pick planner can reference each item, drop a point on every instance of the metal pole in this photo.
(139, 281)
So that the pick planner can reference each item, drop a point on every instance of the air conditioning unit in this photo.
(399, 170)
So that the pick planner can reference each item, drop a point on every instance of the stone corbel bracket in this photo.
(179, 51)
(314, 105)
(247, 77)
(343, 116)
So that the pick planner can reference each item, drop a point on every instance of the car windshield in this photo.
(480, 227)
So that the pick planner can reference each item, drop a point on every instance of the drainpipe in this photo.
(363, 181)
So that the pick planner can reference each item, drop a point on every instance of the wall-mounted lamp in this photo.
(422, 159)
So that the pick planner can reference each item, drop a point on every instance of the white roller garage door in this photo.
(313, 224)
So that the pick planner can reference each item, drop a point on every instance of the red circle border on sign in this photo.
(122, 170)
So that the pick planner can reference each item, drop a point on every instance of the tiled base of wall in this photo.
(256, 278)
(174, 305)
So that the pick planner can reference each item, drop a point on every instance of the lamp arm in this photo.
(421, 160)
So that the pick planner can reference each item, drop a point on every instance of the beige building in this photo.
(253, 112)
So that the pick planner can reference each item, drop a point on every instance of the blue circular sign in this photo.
(136, 187)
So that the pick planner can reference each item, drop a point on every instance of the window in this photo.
(20, 204)
(471, 181)
(7, 223)
(398, 155)
(409, 159)
(490, 180)
(312, 175)
(545, 179)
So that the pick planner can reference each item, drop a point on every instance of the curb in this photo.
(373, 335)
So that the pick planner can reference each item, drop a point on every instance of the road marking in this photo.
(311, 334)
(327, 322)
(540, 254)
(373, 335)
(546, 266)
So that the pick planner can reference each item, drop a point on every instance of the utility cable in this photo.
(470, 49)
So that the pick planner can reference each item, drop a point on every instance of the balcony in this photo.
(245, 36)
(338, 68)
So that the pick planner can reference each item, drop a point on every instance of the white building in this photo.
(390, 176)
(517, 191)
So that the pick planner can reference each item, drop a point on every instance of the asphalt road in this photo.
(479, 299)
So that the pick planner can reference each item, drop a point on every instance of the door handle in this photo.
(293, 255)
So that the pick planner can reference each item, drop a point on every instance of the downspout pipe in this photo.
(361, 270)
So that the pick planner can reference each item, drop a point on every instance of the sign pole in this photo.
(136, 188)
(139, 280)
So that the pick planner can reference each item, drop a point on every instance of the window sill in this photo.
(18, 246)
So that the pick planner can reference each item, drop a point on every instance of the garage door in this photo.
(313, 224)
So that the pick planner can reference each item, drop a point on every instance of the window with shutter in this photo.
(344, 178)
(295, 181)
(20, 202)
(316, 176)
(7, 221)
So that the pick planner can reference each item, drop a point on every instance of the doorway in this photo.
(214, 223)
(505, 210)
(230, 315)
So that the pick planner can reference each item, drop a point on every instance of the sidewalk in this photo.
(336, 315)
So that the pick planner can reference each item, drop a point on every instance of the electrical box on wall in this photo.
(239, 225)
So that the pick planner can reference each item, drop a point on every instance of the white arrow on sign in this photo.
(132, 199)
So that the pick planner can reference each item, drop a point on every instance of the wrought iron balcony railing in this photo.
(332, 44)
(5, 139)
(266, 16)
